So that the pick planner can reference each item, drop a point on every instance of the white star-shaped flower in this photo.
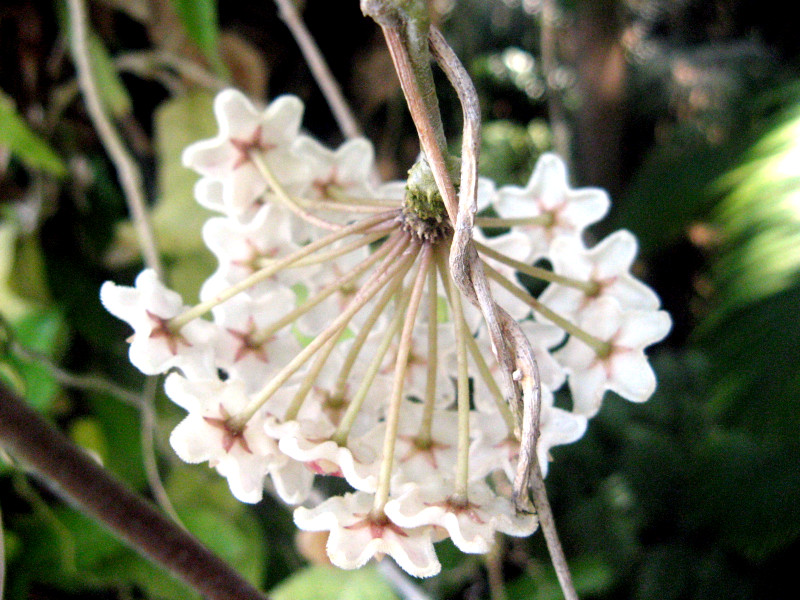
(243, 130)
(624, 369)
(472, 522)
(154, 348)
(357, 534)
(548, 195)
(241, 350)
(345, 171)
(243, 249)
(606, 266)
(207, 434)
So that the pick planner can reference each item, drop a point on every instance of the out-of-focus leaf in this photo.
(112, 91)
(590, 576)
(759, 218)
(103, 561)
(39, 330)
(12, 305)
(189, 272)
(22, 142)
(753, 332)
(665, 573)
(120, 426)
(199, 18)
(207, 508)
(753, 354)
(330, 583)
(45, 553)
(34, 324)
(750, 492)
(508, 150)
(176, 217)
(87, 433)
(670, 191)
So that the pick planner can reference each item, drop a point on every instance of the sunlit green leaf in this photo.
(330, 583)
(40, 330)
(24, 143)
(87, 433)
(759, 218)
(752, 333)
(31, 323)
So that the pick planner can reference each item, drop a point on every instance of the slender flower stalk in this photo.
(363, 295)
(283, 197)
(600, 347)
(361, 394)
(177, 323)
(401, 364)
(462, 468)
(424, 434)
(589, 288)
(392, 247)
(363, 334)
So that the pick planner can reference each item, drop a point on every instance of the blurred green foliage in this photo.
(694, 495)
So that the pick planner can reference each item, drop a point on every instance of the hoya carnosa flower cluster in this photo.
(339, 346)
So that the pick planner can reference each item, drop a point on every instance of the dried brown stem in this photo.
(467, 269)
(127, 171)
(412, 64)
(319, 69)
(520, 372)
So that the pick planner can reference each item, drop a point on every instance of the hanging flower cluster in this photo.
(339, 346)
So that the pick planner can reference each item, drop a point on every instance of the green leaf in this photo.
(752, 333)
(176, 217)
(330, 583)
(120, 428)
(205, 505)
(199, 18)
(750, 492)
(40, 330)
(103, 561)
(12, 305)
(22, 142)
(112, 91)
(759, 217)
(658, 206)
(590, 575)
(31, 322)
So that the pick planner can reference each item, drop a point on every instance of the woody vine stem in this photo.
(412, 40)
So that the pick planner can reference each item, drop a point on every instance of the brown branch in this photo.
(130, 178)
(555, 106)
(467, 266)
(38, 445)
(319, 69)
(602, 72)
